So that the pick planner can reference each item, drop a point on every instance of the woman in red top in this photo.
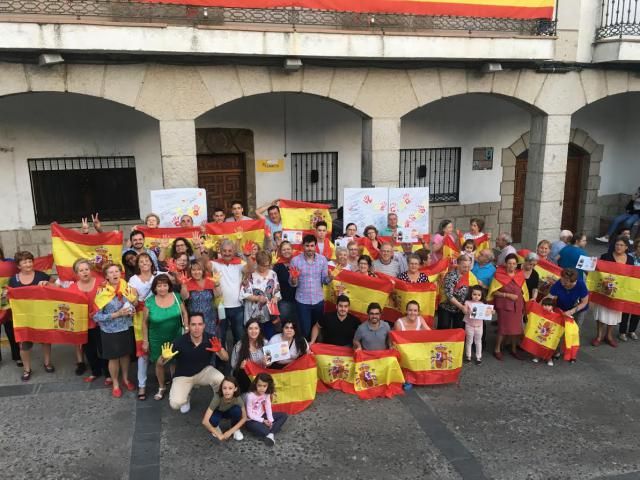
(87, 284)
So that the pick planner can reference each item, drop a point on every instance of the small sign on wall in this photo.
(276, 165)
(482, 158)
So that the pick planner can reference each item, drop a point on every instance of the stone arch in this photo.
(588, 219)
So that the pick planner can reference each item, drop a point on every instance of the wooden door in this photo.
(572, 190)
(223, 176)
(518, 196)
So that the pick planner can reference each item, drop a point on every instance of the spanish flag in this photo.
(403, 292)
(295, 384)
(482, 242)
(437, 271)
(548, 272)
(8, 269)
(239, 232)
(571, 339)
(107, 293)
(336, 367)
(49, 315)
(138, 318)
(361, 290)
(615, 286)
(367, 248)
(377, 374)
(502, 278)
(430, 357)
(303, 216)
(397, 246)
(153, 236)
(450, 249)
(543, 331)
(69, 246)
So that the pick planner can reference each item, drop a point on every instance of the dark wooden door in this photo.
(223, 176)
(518, 196)
(572, 191)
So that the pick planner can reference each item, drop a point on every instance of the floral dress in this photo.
(201, 300)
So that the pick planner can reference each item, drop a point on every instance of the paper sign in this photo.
(408, 235)
(171, 204)
(292, 236)
(276, 352)
(342, 242)
(412, 207)
(481, 311)
(587, 264)
(366, 206)
(270, 165)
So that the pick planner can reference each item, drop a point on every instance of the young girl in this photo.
(226, 404)
(262, 421)
(547, 305)
(469, 247)
(473, 327)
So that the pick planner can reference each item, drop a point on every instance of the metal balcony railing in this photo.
(133, 11)
(619, 18)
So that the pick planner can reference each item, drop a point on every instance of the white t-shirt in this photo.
(143, 288)
(293, 349)
(230, 282)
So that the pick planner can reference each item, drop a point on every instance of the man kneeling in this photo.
(194, 355)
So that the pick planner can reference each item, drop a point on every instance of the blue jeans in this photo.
(235, 319)
(261, 430)
(308, 316)
(234, 414)
(623, 220)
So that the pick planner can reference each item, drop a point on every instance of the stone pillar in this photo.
(178, 147)
(546, 171)
(380, 152)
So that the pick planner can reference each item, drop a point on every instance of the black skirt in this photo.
(116, 345)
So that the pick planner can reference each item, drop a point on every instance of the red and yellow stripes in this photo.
(482, 242)
(549, 272)
(502, 278)
(295, 384)
(153, 237)
(239, 232)
(615, 286)
(403, 292)
(571, 339)
(377, 373)
(543, 331)
(430, 357)
(465, 8)
(361, 290)
(49, 315)
(303, 216)
(336, 366)
(69, 246)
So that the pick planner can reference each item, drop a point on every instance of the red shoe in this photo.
(108, 382)
(89, 379)
(613, 343)
(595, 342)
(116, 393)
(130, 386)
(517, 355)
(498, 355)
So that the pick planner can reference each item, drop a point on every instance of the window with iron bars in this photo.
(66, 189)
(436, 168)
(314, 177)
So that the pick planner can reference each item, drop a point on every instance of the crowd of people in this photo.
(203, 313)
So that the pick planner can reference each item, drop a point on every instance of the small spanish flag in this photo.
(361, 290)
(367, 248)
(482, 243)
(571, 339)
(49, 315)
(403, 292)
(377, 374)
(543, 332)
(69, 246)
(615, 286)
(336, 367)
(153, 236)
(502, 278)
(240, 232)
(430, 357)
(302, 216)
(450, 248)
(295, 384)
(138, 318)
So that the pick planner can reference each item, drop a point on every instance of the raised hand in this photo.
(247, 247)
(216, 276)
(97, 224)
(171, 265)
(294, 272)
(164, 242)
(167, 351)
(182, 278)
(196, 240)
(85, 225)
(216, 346)
(239, 233)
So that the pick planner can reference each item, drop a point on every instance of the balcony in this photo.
(618, 36)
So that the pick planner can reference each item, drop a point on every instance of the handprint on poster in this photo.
(366, 206)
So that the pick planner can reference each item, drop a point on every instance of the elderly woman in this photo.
(287, 304)
(260, 292)
(531, 276)
(483, 268)
(456, 288)
(115, 303)
(413, 273)
(371, 233)
(504, 245)
(354, 254)
(509, 301)
(342, 258)
(543, 249)
(607, 318)
(365, 266)
(27, 276)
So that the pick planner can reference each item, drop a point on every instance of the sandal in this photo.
(49, 368)
(108, 382)
(129, 385)
(116, 392)
(142, 394)
(26, 375)
(19, 363)
(160, 394)
(89, 379)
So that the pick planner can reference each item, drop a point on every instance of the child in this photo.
(473, 327)
(262, 422)
(547, 305)
(469, 247)
(226, 404)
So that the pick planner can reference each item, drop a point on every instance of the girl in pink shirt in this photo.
(473, 327)
(263, 422)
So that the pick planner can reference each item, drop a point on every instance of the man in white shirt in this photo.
(237, 213)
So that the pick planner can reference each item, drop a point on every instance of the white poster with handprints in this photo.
(171, 204)
(412, 207)
(366, 206)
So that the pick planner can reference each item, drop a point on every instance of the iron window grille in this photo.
(314, 177)
(619, 18)
(66, 189)
(436, 168)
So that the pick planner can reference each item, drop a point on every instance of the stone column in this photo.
(546, 171)
(178, 147)
(380, 152)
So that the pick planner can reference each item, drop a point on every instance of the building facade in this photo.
(528, 124)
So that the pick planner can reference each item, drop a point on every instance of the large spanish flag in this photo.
(295, 384)
(69, 245)
(240, 232)
(615, 286)
(303, 216)
(153, 237)
(377, 374)
(464, 8)
(8, 269)
(336, 366)
(49, 315)
(403, 292)
(502, 278)
(361, 290)
(543, 331)
(430, 357)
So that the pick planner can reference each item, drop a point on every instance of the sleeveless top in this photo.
(402, 327)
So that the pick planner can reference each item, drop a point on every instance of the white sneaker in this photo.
(633, 336)
(623, 337)
(237, 435)
(550, 362)
(535, 360)
(186, 407)
(603, 239)
(270, 440)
